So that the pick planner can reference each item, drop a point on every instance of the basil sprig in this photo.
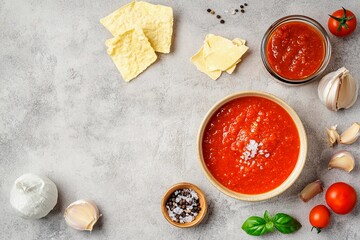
(257, 226)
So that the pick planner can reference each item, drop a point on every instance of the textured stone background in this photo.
(65, 112)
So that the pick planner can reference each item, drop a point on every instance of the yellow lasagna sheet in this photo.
(156, 21)
(131, 52)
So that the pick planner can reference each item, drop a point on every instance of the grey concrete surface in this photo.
(65, 112)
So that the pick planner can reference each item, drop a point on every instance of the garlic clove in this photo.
(343, 160)
(338, 90)
(311, 190)
(332, 95)
(325, 84)
(333, 135)
(328, 87)
(82, 215)
(348, 91)
(351, 134)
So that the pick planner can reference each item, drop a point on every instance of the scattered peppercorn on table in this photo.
(69, 113)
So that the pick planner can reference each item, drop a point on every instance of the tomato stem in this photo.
(342, 21)
(317, 229)
(344, 15)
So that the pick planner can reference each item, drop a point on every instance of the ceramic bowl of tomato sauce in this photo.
(252, 146)
(295, 50)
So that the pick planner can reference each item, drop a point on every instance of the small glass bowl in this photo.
(312, 23)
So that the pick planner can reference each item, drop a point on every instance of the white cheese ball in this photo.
(33, 196)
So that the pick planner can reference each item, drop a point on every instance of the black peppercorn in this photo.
(218, 16)
(242, 10)
(208, 10)
(241, 6)
(183, 205)
(236, 10)
(245, 4)
(222, 21)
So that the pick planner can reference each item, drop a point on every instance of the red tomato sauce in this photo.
(295, 50)
(251, 145)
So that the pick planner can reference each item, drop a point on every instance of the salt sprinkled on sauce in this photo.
(252, 149)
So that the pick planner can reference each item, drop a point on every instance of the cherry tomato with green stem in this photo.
(342, 22)
(319, 217)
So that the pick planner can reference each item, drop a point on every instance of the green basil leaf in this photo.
(270, 226)
(255, 226)
(285, 223)
(267, 216)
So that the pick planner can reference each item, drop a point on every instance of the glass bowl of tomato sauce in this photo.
(295, 50)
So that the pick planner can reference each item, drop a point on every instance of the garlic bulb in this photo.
(33, 196)
(82, 215)
(338, 90)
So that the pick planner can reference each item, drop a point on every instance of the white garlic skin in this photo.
(33, 196)
(338, 90)
(82, 215)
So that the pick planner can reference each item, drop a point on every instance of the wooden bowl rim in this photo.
(202, 200)
(294, 174)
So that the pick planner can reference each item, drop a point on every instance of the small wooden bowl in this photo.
(202, 200)
(291, 178)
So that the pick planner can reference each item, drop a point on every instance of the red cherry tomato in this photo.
(341, 198)
(319, 217)
(342, 22)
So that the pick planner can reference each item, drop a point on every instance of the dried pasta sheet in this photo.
(131, 52)
(155, 20)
